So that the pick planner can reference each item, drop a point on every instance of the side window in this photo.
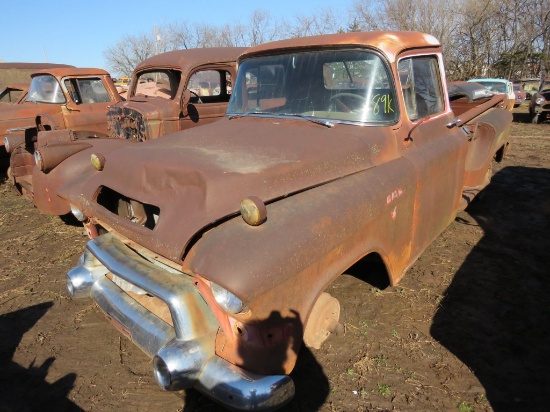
(210, 86)
(87, 90)
(70, 85)
(205, 83)
(420, 82)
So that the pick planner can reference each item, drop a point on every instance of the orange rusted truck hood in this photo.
(208, 171)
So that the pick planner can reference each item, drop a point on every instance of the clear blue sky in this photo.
(77, 33)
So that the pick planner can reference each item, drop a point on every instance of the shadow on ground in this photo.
(311, 384)
(22, 388)
(495, 314)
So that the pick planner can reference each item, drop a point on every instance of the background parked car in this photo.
(499, 86)
(539, 107)
(520, 94)
(531, 86)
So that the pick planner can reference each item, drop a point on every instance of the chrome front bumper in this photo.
(183, 355)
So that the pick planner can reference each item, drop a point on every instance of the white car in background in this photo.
(499, 86)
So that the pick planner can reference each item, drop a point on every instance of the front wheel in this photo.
(535, 119)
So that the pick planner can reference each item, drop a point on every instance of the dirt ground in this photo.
(467, 328)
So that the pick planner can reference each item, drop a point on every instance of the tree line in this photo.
(480, 38)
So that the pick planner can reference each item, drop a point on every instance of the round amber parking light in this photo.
(98, 161)
(253, 211)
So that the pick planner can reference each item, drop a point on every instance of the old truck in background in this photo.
(167, 93)
(59, 98)
(212, 248)
(15, 72)
(14, 93)
(165, 96)
(539, 106)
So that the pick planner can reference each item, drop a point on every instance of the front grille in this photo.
(140, 213)
(126, 123)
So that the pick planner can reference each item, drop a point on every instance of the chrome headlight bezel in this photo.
(78, 214)
(540, 100)
(227, 300)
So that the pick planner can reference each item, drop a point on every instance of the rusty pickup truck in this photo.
(14, 93)
(60, 98)
(175, 91)
(212, 248)
(165, 96)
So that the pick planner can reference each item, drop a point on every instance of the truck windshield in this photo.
(45, 89)
(341, 85)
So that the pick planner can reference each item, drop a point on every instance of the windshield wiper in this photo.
(322, 122)
(237, 115)
(326, 123)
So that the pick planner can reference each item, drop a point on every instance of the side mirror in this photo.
(185, 101)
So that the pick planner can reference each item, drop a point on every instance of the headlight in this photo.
(253, 211)
(226, 299)
(77, 213)
(98, 161)
(540, 100)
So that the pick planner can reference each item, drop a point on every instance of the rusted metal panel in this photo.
(391, 43)
(189, 59)
(79, 168)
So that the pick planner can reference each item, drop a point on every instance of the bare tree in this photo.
(504, 38)
(123, 57)
(325, 21)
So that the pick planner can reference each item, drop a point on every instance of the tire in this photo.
(486, 180)
(535, 119)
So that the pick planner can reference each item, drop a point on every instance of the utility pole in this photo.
(157, 37)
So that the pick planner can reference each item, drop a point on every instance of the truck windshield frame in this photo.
(342, 85)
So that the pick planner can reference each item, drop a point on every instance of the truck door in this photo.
(210, 93)
(436, 152)
(88, 109)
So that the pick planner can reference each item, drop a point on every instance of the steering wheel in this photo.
(198, 97)
(336, 100)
